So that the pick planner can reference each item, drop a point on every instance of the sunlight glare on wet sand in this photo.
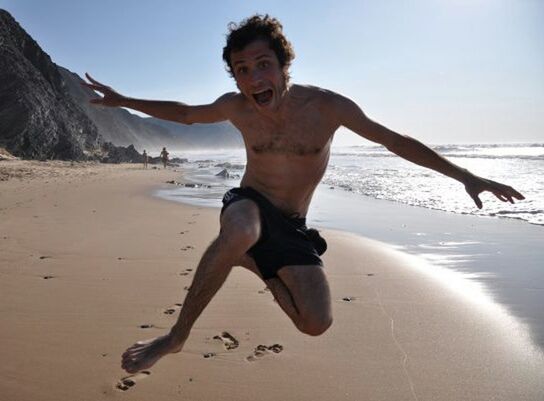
(515, 333)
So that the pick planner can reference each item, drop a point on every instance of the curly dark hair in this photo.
(254, 28)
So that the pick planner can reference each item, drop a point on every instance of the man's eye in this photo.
(242, 70)
(264, 64)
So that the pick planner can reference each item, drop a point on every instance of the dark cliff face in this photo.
(38, 119)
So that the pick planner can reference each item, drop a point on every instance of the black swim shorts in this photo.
(284, 240)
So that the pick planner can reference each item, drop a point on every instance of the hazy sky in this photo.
(443, 71)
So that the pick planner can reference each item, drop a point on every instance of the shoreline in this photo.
(119, 258)
(500, 257)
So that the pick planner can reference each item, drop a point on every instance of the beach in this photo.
(92, 262)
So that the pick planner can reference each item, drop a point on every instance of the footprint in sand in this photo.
(209, 354)
(264, 290)
(48, 277)
(45, 257)
(229, 342)
(186, 248)
(186, 272)
(348, 299)
(128, 382)
(146, 326)
(172, 309)
(263, 350)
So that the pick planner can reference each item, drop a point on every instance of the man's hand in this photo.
(111, 98)
(475, 185)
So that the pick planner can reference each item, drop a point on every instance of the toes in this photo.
(136, 348)
(130, 366)
(140, 344)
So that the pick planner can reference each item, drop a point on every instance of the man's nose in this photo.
(256, 77)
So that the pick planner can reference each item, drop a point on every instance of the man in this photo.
(287, 130)
(164, 157)
(145, 158)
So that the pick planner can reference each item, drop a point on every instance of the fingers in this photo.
(500, 197)
(509, 193)
(92, 86)
(504, 193)
(477, 201)
(94, 81)
(516, 194)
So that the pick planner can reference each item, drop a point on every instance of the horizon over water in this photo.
(367, 190)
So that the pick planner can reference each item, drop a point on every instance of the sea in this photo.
(496, 252)
(373, 171)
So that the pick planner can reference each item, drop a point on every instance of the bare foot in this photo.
(145, 354)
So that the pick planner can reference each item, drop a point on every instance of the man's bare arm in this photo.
(165, 110)
(352, 117)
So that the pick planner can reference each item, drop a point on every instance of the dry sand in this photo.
(88, 256)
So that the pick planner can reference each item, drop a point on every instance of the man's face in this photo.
(259, 75)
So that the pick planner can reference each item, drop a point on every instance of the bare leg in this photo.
(310, 292)
(240, 230)
(278, 289)
(303, 294)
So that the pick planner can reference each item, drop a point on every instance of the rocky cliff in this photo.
(38, 120)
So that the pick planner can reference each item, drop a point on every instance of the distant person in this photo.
(164, 157)
(287, 130)
(145, 158)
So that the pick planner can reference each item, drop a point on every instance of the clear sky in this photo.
(443, 71)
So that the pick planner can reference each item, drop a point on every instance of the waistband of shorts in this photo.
(250, 192)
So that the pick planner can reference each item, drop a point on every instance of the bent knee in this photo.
(315, 326)
(241, 224)
(242, 236)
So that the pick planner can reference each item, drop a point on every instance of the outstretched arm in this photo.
(353, 118)
(166, 110)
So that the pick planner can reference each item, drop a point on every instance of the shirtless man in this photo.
(164, 157)
(287, 131)
(145, 158)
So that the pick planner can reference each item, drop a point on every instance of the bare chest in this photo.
(299, 134)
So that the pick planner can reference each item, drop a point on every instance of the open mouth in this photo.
(264, 97)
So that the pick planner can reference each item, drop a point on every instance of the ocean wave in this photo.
(231, 166)
(387, 154)
(506, 212)
(462, 145)
(455, 155)
(373, 171)
(454, 150)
